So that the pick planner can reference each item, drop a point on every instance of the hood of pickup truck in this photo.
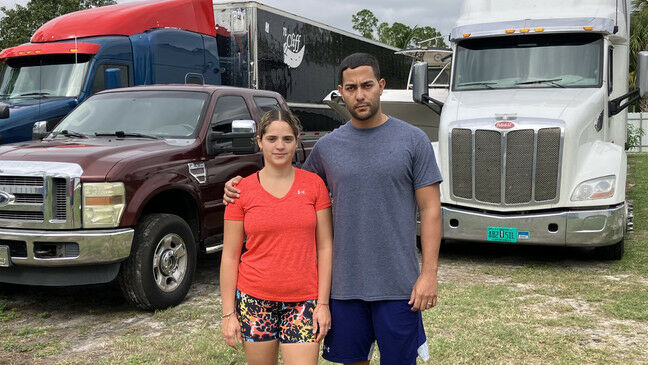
(551, 103)
(96, 156)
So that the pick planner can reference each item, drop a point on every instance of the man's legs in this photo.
(399, 332)
(351, 337)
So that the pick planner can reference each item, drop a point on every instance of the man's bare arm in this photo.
(425, 291)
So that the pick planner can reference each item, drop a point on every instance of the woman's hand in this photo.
(321, 321)
(231, 331)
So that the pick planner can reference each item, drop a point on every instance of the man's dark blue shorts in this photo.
(357, 324)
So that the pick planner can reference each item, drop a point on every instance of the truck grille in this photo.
(21, 180)
(59, 199)
(37, 200)
(505, 168)
(22, 216)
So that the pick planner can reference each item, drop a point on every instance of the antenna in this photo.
(76, 50)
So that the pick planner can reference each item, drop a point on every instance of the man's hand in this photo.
(424, 293)
(231, 193)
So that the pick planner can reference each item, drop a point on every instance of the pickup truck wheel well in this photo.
(176, 202)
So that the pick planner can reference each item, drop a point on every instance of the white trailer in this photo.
(531, 135)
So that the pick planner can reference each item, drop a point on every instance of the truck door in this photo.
(224, 166)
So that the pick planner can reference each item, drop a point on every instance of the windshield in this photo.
(51, 75)
(530, 61)
(166, 114)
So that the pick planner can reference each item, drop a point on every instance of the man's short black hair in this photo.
(357, 60)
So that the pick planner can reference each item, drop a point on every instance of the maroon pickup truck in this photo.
(129, 186)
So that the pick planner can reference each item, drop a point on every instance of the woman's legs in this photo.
(261, 353)
(300, 353)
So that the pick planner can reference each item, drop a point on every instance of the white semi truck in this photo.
(531, 135)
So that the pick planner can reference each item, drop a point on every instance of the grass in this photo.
(497, 304)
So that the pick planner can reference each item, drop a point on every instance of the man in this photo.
(378, 169)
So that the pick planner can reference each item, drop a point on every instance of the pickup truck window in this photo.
(529, 61)
(266, 104)
(166, 114)
(229, 108)
(99, 82)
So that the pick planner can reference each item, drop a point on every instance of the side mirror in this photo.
(243, 136)
(240, 141)
(194, 78)
(244, 126)
(39, 131)
(642, 73)
(4, 111)
(420, 82)
(420, 87)
(113, 78)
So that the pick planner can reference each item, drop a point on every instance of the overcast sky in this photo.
(440, 14)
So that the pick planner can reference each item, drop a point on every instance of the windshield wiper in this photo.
(69, 133)
(551, 81)
(122, 134)
(483, 83)
(34, 93)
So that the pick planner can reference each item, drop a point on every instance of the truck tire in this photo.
(159, 271)
(612, 252)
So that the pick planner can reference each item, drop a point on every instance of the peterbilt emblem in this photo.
(6, 198)
(505, 124)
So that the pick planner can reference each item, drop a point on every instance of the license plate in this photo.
(4, 256)
(502, 234)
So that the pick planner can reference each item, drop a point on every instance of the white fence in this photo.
(640, 121)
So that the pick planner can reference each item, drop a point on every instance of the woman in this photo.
(279, 288)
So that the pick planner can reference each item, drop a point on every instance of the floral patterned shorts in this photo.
(267, 320)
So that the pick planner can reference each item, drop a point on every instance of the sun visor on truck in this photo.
(534, 26)
(37, 49)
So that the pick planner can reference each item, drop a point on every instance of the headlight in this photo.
(103, 204)
(599, 188)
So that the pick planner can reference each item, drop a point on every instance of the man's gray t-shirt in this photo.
(372, 175)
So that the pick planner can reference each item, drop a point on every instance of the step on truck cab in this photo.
(532, 133)
(71, 57)
(129, 186)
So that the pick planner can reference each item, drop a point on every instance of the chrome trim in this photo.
(586, 228)
(198, 171)
(95, 246)
(70, 172)
(488, 124)
(213, 249)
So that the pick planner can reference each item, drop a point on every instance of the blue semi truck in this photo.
(73, 56)
(244, 44)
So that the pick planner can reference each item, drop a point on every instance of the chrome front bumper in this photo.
(567, 228)
(94, 247)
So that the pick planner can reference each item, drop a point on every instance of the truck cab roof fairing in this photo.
(558, 16)
(192, 15)
(26, 50)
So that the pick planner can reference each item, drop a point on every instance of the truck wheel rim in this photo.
(169, 262)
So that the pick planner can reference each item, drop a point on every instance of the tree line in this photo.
(19, 23)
